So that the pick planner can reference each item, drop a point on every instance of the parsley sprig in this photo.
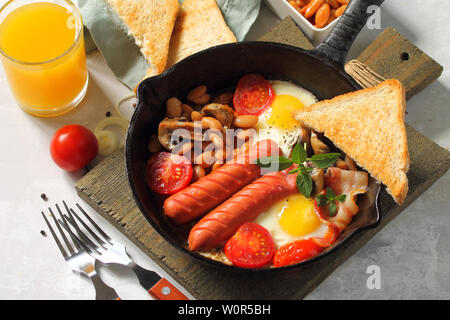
(330, 198)
(300, 157)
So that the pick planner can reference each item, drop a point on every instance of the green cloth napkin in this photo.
(107, 32)
(239, 15)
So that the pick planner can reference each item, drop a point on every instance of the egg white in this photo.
(286, 138)
(288, 88)
(270, 220)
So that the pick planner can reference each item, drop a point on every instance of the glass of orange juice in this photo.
(43, 55)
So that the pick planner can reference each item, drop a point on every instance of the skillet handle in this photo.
(336, 46)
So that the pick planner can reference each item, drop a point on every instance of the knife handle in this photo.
(164, 290)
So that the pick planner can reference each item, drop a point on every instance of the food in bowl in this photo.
(320, 13)
(272, 185)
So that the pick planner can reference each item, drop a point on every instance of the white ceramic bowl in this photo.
(283, 9)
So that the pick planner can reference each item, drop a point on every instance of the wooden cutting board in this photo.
(106, 189)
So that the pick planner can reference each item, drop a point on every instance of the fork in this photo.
(109, 251)
(79, 259)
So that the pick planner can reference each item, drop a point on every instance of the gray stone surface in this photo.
(412, 252)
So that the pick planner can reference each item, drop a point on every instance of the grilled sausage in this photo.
(210, 191)
(220, 224)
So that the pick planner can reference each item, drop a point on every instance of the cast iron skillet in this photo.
(320, 71)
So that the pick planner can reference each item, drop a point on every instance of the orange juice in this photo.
(44, 57)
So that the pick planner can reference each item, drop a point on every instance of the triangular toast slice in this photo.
(368, 125)
(151, 23)
(199, 25)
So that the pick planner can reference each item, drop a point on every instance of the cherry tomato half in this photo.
(253, 95)
(296, 252)
(251, 246)
(168, 173)
(73, 146)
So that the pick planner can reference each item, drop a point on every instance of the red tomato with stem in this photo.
(168, 173)
(253, 95)
(251, 246)
(73, 146)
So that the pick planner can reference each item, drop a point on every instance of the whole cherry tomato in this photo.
(73, 146)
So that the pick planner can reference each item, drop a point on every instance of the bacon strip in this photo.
(350, 183)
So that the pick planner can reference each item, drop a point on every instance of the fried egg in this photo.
(291, 219)
(276, 122)
(294, 217)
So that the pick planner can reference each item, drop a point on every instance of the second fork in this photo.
(78, 259)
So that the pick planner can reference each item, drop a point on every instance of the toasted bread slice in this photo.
(199, 25)
(368, 125)
(151, 24)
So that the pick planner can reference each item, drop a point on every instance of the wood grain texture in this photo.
(287, 32)
(391, 55)
(106, 189)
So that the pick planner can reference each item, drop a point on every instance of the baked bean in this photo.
(332, 16)
(173, 108)
(303, 10)
(186, 110)
(206, 159)
(340, 11)
(198, 172)
(245, 121)
(312, 8)
(333, 3)
(220, 155)
(212, 123)
(198, 95)
(196, 116)
(197, 92)
(299, 3)
(217, 140)
(204, 99)
(224, 98)
(322, 15)
(198, 132)
(315, 12)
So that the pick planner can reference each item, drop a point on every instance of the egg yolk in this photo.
(297, 216)
(279, 113)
